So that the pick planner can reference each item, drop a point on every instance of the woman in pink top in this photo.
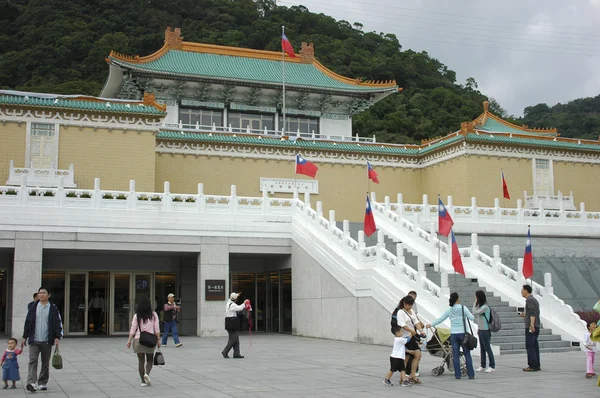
(148, 322)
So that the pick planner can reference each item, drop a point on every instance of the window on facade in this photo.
(303, 124)
(189, 117)
(255, 121)
(542, 164)
(42, 148)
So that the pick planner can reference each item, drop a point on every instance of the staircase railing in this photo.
(489, 271)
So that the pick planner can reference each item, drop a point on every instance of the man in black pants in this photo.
(532, 329)
(232, 327)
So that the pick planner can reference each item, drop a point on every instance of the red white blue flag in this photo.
(372, 174)
(528, 257)
(445, 222)
(286, 46)
(456, 260)
(305, 167)
(504, 186)
(369, 225)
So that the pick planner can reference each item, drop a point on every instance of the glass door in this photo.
(76, 321)
(98, 302)
(121, 308)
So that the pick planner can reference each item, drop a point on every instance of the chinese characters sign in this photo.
(214, 289)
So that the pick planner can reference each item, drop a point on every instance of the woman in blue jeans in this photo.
(457, 330)
(483, 312)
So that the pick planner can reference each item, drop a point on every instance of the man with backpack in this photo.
(484, 315)
(42, 330)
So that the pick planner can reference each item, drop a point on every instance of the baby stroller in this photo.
(439, 346)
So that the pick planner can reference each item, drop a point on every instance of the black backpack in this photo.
(394, 320)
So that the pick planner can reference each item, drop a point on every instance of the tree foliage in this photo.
(60, 45)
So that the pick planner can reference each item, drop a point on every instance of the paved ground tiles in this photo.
(288, 366)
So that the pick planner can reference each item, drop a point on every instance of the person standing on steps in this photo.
(482, 311)
(170, 312)
(532, 329)
(232, 326)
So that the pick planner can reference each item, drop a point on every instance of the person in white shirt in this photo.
(590, 348)
(232, 326)
(413, 328)
(397, 358)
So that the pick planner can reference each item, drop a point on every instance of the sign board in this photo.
(214, 289)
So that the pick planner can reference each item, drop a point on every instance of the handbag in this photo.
(57, 359)
(159, 359)
(469, 341)
(147, 339)
(232, 323)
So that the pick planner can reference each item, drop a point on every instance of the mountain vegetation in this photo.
(59, 46)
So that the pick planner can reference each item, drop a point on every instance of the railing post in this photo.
(23, 191)
(497, 210)
(214, 126)
(444, 284)
(563, 213)
(433, 240)
(450, 207)
(474, 211)
(132, 198)
(400, 252)
(542, 214)
(332, 220)
(425, 212)
(200, 200)
(96, 195)
(497, 260)
(387, 203)
(60, 192)
(266, 202)
(233, 201)
(474, 244)
(520, 214)
(548, 285)
(230, 129)
(374, 139)
(583, 213)
(166, 200)
(319, 209)
(346, 228)
(197, 125)
(380, 239)
(520, 278)
(295, 195)
(400, 205)
(421, 266)
(361, 241)
(373, 197)
(307, 200)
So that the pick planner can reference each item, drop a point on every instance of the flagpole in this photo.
(283, 80)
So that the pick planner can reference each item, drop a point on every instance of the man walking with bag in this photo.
(232, 325)
(43, 329)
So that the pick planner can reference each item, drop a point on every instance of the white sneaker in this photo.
(42, 387)
(479, 369)
(147, 380)
(144, 385)
(490, 370)
(417, 374)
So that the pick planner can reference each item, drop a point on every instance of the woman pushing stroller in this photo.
(457, 313)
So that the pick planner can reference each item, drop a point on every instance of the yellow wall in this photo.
(582, 179)
(342, 188)
(447, 178)
(12, 147)
(113, 156)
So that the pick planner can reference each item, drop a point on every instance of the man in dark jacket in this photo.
(42, 330)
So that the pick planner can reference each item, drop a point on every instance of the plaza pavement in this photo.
(288, 366)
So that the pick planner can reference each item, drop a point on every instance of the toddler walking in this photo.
(10, 365)
(397, 358)
(590, 349)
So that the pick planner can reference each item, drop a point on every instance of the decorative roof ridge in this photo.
(541, 137)
(174, 41)
(481, 120)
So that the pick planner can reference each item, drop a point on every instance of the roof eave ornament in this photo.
(307, 53)
(173, 38)
(150, 100)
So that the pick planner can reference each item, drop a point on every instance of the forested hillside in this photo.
(60, 45)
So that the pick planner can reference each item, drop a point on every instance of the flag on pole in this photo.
(445, 222)
(305, 167)
(456, 260)
(372, 174)
(528, 258)
(504, 186)
(286, 46)
(369, 226)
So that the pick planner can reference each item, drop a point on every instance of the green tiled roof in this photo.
(502, 139)
(299, 144)
(493, 125)
(196, 64)
(79, 104)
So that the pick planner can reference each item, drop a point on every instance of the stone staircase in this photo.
(511, 339)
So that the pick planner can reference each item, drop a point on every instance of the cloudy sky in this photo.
(521, 52)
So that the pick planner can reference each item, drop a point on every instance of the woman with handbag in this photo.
(458, 315)
(145, 329)
(408, 320)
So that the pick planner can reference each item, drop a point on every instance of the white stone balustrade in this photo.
(498, 220)
(44, 178)
(490, 272)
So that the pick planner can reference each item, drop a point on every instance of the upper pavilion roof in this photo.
(178, 58)
(488, 122)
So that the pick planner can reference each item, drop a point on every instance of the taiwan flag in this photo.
(372, 174)
(369, 224)
(305, 167)
(504, 186)
(445, 222)
(456, 260)
(286, 46)
(528, 258)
